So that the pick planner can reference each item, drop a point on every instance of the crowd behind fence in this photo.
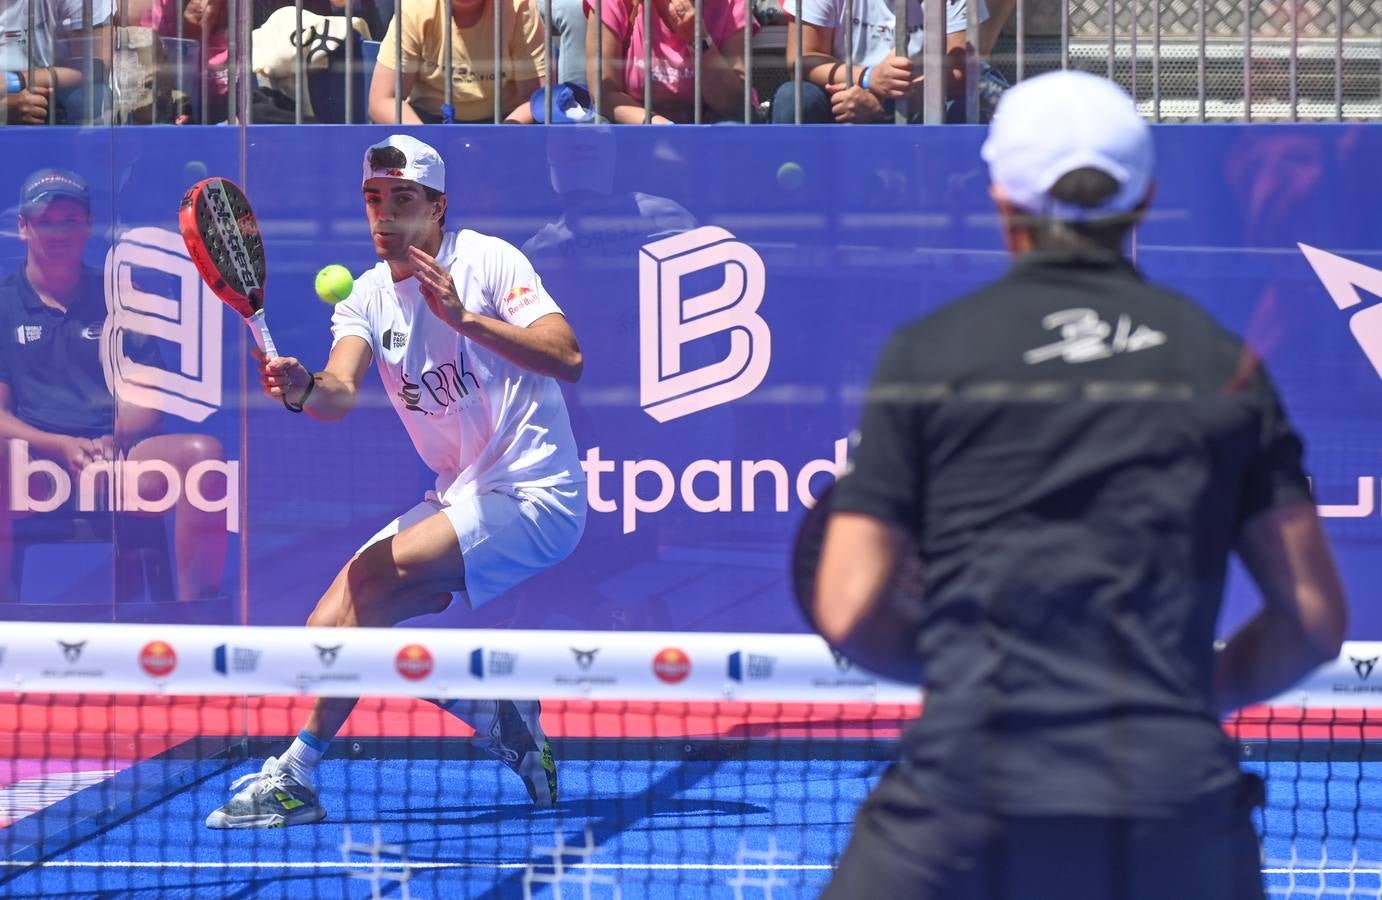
(730, 61)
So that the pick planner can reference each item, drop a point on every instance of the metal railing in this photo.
(1182, 60)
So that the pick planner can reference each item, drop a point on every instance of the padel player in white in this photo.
(470, 347)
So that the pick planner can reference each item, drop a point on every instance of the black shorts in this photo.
(924, 851)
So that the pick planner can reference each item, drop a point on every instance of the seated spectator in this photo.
(881, 77)
(57, 92)
(568, 28)
(203, 21)
(473, 63)
(54, 402)
(674, 56)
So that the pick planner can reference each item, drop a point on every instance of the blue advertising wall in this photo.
(697, 484)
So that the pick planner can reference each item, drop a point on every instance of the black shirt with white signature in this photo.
(1075, 452)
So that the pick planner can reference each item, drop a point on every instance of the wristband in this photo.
(864, 79)
(297, 407)
(13, 83)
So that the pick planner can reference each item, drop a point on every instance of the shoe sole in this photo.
(220, 820)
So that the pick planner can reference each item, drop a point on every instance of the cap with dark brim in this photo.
(47, 185)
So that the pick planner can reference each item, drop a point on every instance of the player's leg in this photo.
(507, 538)
(199, 536)
(404, 574)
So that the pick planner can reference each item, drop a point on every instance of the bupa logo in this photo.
(1364, 667)
(1343, 278)
(668, 320)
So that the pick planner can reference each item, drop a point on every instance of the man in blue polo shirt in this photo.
(54, 400)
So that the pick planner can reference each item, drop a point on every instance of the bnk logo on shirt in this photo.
(668, 321)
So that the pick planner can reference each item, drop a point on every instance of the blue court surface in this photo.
(628, 827)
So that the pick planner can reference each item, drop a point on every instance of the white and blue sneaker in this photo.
(269, 798)
(516, 739)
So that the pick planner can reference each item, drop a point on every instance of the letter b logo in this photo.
(668, 321)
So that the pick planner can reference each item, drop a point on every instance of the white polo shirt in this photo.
(480, 422)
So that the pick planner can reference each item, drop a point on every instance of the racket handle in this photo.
(260, 328)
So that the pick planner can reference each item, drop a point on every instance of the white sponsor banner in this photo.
(592, 665)
(601, 665)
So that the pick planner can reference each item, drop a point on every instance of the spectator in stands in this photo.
(673, 54)
(203, 21)
(473, 63)
(57, 92)
(53, 393)
(568, 28)
(881, 77)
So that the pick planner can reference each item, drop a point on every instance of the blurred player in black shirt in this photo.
(1074, 453)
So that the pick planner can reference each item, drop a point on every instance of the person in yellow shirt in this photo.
(473, 62)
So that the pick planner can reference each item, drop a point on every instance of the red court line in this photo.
(122, 727)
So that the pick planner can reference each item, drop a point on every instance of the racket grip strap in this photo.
(260, 328)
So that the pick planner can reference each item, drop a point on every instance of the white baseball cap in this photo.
(420, 162)
(1056, 123)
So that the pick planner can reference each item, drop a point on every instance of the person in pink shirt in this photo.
(673, 56)
(204, 21)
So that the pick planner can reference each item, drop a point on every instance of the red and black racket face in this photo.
(222, 236)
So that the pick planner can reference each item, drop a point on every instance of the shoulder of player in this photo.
(478, 247)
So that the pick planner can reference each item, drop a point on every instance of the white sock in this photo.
(478, 714)
(300, 760)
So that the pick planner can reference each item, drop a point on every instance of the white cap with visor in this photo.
(1054, 124)
(415, 161)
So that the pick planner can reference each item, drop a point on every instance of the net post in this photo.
(647, 62)
(697, 60)
(797, 65)
(546, 65)
(748, 63)
(901, 35)
(933, 62)
(971, 57)
(599, 79)
(498, 60)
(449, 65)
(398, 59)
(298, 64)
(349, 62)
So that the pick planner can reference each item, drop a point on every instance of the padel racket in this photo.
(222, 236)
(905, 588)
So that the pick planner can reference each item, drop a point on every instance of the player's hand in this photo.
(105, 447)
(29, 106)
(283, 374)
(76, 453)
(853, 104)
(680, 16)
(438, 289)
(893, 78)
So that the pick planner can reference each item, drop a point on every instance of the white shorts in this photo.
(505, 538)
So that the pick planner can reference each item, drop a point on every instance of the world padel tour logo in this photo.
(495, 664)
(671, 665)
(158, 659)
(414, 662)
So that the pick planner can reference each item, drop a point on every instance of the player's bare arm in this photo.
(333, 395)
(1304, 614)
(548, 346)
(858, 557)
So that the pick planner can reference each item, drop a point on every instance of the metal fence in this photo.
(1182, 60)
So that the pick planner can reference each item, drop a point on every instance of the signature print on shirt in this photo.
(445, 384)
